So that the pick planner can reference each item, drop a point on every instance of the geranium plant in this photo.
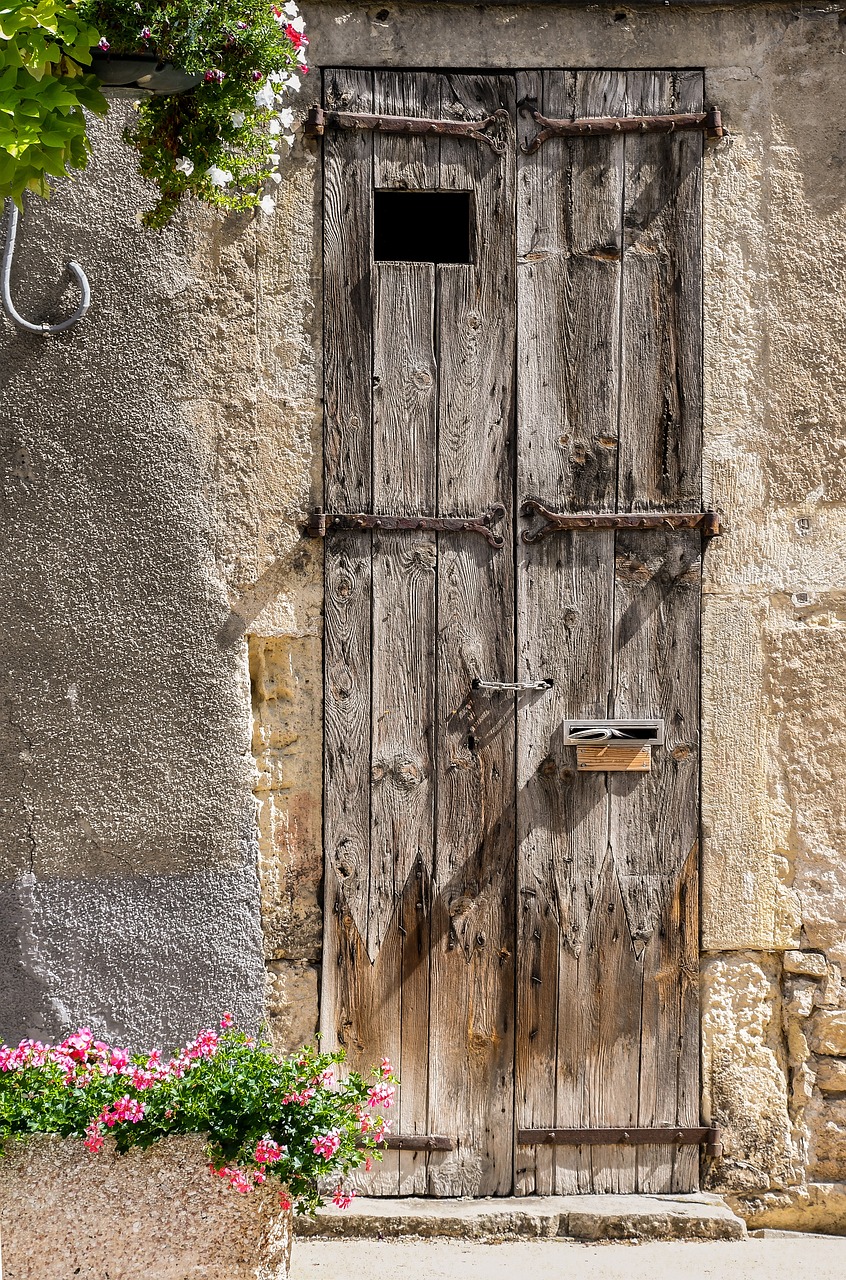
(219, 141)
(291, 1120)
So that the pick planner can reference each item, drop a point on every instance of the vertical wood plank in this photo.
(404, 568)
(471, 1036)
(654, 823)
(348, 160)
(569, 214)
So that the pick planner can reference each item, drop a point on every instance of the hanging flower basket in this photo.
(142, 71)
(219, 76)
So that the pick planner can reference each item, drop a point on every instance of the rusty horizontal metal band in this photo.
(705, 522)
(708, 122)
(416, 1142)
(708, 1137)
(323, 523)
(319, 119)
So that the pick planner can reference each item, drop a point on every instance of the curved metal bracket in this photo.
(5, 284)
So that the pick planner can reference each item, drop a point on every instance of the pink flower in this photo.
(268, 1151)
(104, 45)
(327, 1145)
(146, 33)
(236, 1178)
(385, 1067)
(343, 1199)
(94, 1139)
(286, 1201)
(381, 1095)
(125, 1108)
(227, 1020)
(215, 75)
(259, 1176)
(301, 1098)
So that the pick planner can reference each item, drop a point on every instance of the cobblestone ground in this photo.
(782, 1258)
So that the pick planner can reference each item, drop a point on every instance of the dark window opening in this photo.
(421, 226)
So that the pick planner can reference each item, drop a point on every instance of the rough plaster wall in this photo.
(152, 461)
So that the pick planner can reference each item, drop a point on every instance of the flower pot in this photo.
(141, 71)
(159, 1213)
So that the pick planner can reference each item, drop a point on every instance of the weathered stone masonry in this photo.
(161, 823)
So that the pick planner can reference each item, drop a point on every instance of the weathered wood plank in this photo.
(471, 1036)
(347, 477)
(569, 214)
(654, 821)
(402, 798)
(661, 383)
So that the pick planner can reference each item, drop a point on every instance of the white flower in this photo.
(289, 138)
(301, 57)
(267, 204)
(276, 177)
(277, 77)
(237, 118)
(294, 83)
(274, 127)
(286, 117)
(298, 24)
(184, 165)
(290, 10)
(265, 96)
(218, 177)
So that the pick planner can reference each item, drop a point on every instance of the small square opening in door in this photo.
(421, 226)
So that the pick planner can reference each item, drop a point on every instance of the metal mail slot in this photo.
(601, 733)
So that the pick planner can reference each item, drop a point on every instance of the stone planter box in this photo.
(148, 1215)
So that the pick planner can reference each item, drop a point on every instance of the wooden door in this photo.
(519, 939)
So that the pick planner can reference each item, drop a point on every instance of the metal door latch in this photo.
(708, 122)
(503, 686)
(322, 523)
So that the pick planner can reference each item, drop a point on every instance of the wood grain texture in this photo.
(347, 487)
(569, 212)
(471, 1036)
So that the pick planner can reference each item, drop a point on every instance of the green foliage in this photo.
(215, 142)
(218, 142)
(265, 1118)
(44, 48)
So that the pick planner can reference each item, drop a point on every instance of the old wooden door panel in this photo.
(560, 989)
(606, 1001)
(418, 963)
(471, 1042)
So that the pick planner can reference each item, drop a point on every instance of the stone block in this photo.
(292, 1003)
(828, 1032)
(799, 996)
(812, 964)
(831, 1075)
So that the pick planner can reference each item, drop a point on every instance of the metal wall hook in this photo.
(9, 307)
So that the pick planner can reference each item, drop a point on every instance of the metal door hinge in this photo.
(416, 1142)
(709, 1137)
(319, 119)
(708, 122)
(706, 522)
(322, 523)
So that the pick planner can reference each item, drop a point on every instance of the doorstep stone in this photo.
(640, 1217)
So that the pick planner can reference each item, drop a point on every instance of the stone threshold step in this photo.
(589, 1217)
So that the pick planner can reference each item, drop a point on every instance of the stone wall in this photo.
(152, 490)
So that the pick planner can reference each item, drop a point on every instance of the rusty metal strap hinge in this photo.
(322, 523)
(708, 122)
(415, 1142)
(319, 120)
(709, 1137)
(706, 522)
